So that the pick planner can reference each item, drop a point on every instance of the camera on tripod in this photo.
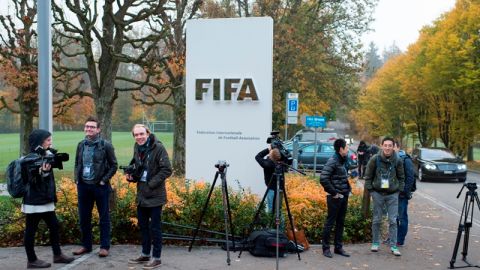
(52, 157)
(221, 165)
(471, 186)
(276, 143)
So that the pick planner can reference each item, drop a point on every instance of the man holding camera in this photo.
(267, 159)
(152, 168)
(95, 165)
(334, 179)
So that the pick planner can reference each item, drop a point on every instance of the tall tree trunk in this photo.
(470, 156)
(26, 127)
(103, 109)
(178, 161)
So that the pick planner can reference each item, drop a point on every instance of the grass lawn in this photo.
(66, 141)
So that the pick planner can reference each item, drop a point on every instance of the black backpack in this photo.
(15, 184)
(414, 186)
(263, 243)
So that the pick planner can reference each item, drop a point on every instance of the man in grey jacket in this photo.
(384, 179)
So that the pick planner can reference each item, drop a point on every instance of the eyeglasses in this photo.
(91, 127)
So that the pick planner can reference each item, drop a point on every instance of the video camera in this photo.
(221, 165)
(132, 170)
(276, 143)
(52, 157)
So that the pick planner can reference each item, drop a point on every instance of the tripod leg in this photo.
(461, 228)
(225, 214)
(203, 212)
(230, 215)
(468, 225)
(290, 218)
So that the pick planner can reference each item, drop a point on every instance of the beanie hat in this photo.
(37, 137)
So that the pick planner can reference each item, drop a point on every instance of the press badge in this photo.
(86, 171)
(385, 183)
(144, 177)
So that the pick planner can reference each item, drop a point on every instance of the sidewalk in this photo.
(429, 245)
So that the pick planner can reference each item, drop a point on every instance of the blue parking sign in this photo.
(316, 121)
(293, 105)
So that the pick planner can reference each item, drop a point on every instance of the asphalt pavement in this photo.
(429, 245)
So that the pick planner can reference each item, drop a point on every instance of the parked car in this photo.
(324, 151)
(438, 164)
(309, 135)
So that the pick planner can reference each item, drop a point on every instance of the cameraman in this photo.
(152, 170)
(267, 159)
(39, 200)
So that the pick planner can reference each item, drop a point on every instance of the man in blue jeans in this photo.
(404, 195)
(95, 164)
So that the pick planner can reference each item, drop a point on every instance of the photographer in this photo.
(39, 200)
(267, 159)
(152, 168)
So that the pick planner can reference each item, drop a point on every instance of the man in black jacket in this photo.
(267, 159)
(152, 168)
(95, 164)
(334, 179)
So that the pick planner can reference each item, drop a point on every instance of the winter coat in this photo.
(153, 192)
(268, 169)
(40, 188)
(334, 176)
(391, 168)
(104, 162)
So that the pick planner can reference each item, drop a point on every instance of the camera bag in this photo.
(263, 243)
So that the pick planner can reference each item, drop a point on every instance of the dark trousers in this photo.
(337, 209)
(88, 195)
(32, 221)
(402, 220)
(150, 222)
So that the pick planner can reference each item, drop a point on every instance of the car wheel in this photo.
(461, 180)
(420, 176)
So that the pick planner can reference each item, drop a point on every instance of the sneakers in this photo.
(140, 260)
(153, 264)
(103, 253)
(38, 264)
(395, 251)
(375, 247)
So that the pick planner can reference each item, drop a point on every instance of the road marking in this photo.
(79, 260)
(475, 221)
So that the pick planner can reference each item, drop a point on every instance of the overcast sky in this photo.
(400, 20)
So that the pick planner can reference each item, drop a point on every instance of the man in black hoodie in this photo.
(39, 200)
(334, 179)
(95, 164)
(152, 170)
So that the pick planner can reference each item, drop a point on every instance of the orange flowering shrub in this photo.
(186, 199)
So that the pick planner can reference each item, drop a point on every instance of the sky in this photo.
(400, 21)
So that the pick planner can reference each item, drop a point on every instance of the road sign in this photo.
(316, 121)
(292, 105)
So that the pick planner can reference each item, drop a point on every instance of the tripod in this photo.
(467, 218)
(227, 215)
(280, 187)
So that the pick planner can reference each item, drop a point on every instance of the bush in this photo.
(186, 199)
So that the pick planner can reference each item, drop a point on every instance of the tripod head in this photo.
(470, 186)
(221, 165)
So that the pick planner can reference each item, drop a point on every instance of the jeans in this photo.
(150, 222)
(402, 220)
(271, 206)
(381, 202)
(87, 196)
(337, 209)
(31, 226)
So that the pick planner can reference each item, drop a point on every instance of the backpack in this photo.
(414, 186)
(15, 185)
(263, 243)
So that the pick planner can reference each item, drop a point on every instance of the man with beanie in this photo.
(152, 168)
(39, 200)
(334, 179)
(95, 164)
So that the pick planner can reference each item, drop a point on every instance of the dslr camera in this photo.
(275, 142)
(132, 170)
(52, 157)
